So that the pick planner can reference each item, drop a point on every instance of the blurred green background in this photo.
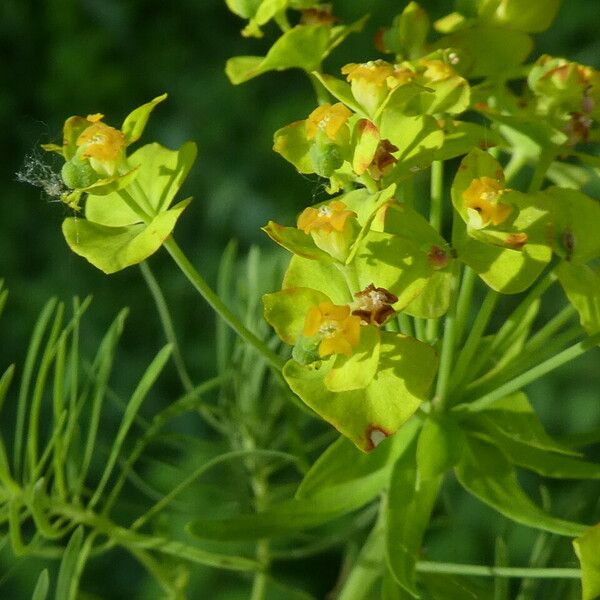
(64, 57)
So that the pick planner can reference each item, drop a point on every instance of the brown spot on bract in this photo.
(375, 435)
(366, 125)
(438, 257)
(569, 243)
(517, 240)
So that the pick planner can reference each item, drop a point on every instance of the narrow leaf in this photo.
(485, 472)
(68, 565)
(409, 509)
(145, 385)
(42, 586)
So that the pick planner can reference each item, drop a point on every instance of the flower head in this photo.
(328, 119)
(326, 218)
(482, 202)
(379, 73)
(437, 70)
(338, 328)
(95, 153)
(102, 144)
(372, 81)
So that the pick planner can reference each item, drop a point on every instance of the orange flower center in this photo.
(100, 141)
(482, 202)
(327, 118)
(336, 325)
(326, 218)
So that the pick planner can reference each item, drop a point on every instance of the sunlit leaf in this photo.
(302, 47)
(296, 241)
(286, 310)
(160, 174)
(135, 122)
(488, 50)
(405, 373)
(317, 275)
(112, 249)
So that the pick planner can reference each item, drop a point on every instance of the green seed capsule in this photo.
(326, 158)
(306, 350)
(78, 174)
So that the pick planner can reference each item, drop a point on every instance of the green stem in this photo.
(487, 571)
(532, 374)
(513, 321)
(513, 167)
(167, 324)
(465, 299)
(407, 192)
(219, 306)
(539, 174)
(521, 363)
(474, 338)
(436, 215)
(550, 328)
(406, 325)
(133, 540)
(321, 94)
(437, 195)
(447, 356)
(420, 329)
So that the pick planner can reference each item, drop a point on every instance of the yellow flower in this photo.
(482, 202)
(339, 328)
(327, 218)
(371, 82)
(437, 70)
(102, 144)
(327, 118)
(378, 72)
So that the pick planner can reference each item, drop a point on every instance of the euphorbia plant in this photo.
(376, 302)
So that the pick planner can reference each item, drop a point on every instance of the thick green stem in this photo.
(532, 374)
(486, 571)
(167, 324)
(219, 306)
